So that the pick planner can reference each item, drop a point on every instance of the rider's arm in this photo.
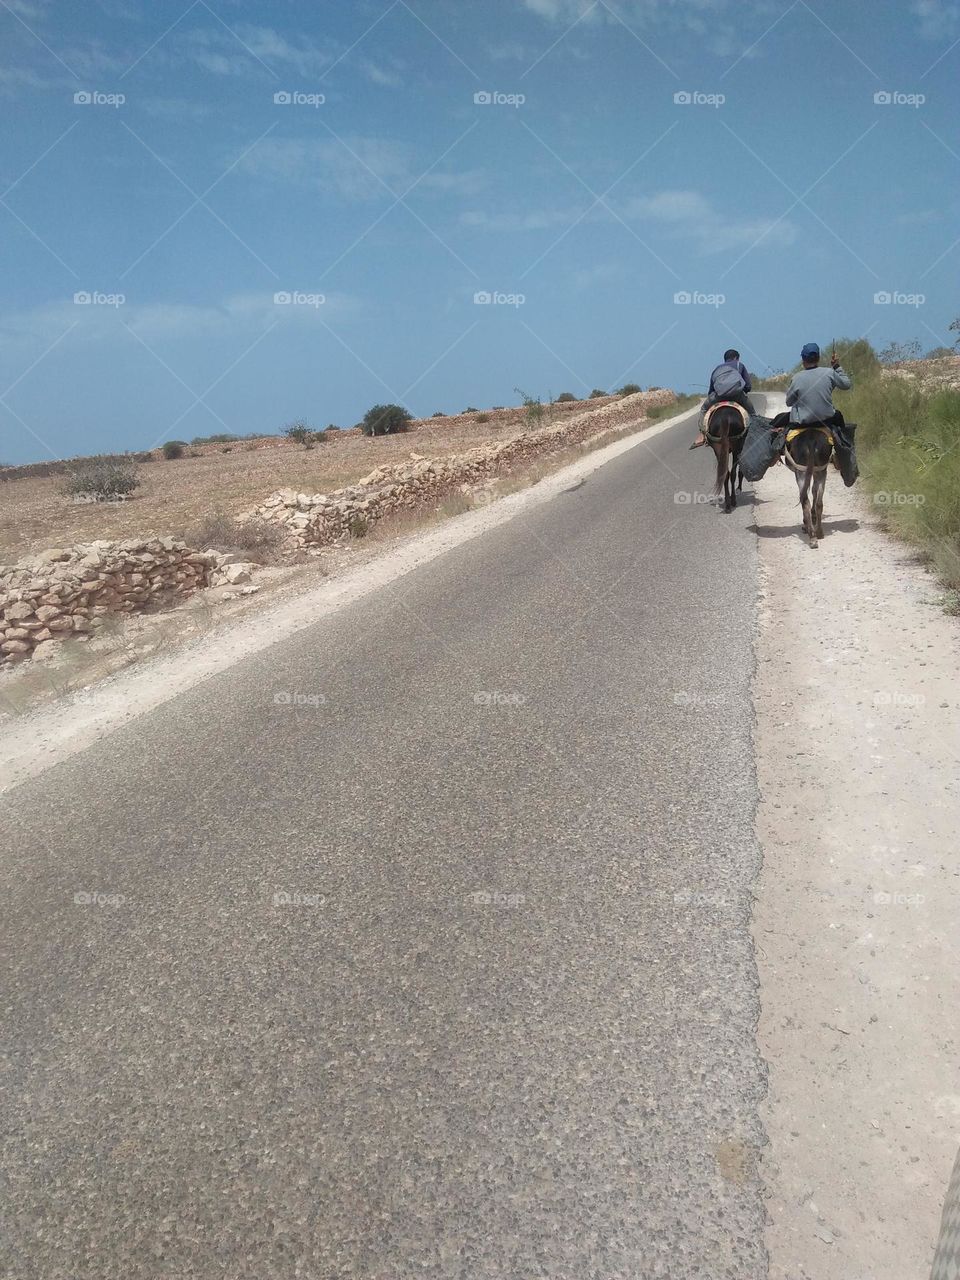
(791, 395)
(841, 379)
(745, 375)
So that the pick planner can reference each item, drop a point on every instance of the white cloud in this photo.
(937, 19)
(688, 215)
(689, 13)
(533, 220)
(358, 168)
(239, 315)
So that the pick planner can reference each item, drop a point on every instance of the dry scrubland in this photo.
(174, 496)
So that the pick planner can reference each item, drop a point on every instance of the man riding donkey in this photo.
(810, 394)
(729, 383)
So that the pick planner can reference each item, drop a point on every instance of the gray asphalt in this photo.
(507, 1027)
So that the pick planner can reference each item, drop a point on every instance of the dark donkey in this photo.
(808, 455)
(726, 431)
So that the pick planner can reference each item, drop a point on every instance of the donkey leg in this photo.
(819, 484)
(803, 484)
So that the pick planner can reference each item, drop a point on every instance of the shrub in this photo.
(483, 417)
(565, 397)
(533, 407)
(629, 389)
(299, 432)
(898, 351)
(596, 393)
(439, 414)
(470, 409)
(226, 449)
(103, 479)
(259, 540)
(358, 526)
(938, 353)
(222, 437)
(385, 420)
(173, 449)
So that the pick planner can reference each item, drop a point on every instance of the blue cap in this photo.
(810, 351)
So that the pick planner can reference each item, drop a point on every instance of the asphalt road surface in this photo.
(416, 945)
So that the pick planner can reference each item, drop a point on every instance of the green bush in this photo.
(470, 409)
(299, 433)
(483, 417)
(438, 414)
(596, 393)
(385, 420)
(173, 449)
(908, 446)
(629, 389)
(938, 353)
(104, 479)
(223, 437)
(533, 407)
(565, 397)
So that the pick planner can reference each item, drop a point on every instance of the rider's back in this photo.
(810, 394)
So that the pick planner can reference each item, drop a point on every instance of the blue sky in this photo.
(583, 197)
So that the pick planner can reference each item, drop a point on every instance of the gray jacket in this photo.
(810, 394)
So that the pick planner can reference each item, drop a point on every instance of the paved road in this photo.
(506, 1028)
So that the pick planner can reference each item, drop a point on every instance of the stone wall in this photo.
(65, 592)
(317, 519)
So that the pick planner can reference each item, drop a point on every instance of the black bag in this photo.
(762, 447)
(844, 446)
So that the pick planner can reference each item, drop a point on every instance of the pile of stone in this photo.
(67, 591)
(318, 519)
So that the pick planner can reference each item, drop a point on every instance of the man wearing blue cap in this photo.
(810, 394)
(810, 399)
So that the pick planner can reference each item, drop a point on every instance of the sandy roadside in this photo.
(857, 921)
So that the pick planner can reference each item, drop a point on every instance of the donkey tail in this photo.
(723, 458)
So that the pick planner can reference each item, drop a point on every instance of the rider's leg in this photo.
(701, 438)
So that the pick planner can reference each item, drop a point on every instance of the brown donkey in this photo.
(726, 430)
(807, 453)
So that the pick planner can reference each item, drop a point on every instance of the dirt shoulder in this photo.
(858, 904)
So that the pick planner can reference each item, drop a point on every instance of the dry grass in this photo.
(178, 495)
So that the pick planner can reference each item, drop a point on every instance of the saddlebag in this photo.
(844, 448)
(762, 447)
